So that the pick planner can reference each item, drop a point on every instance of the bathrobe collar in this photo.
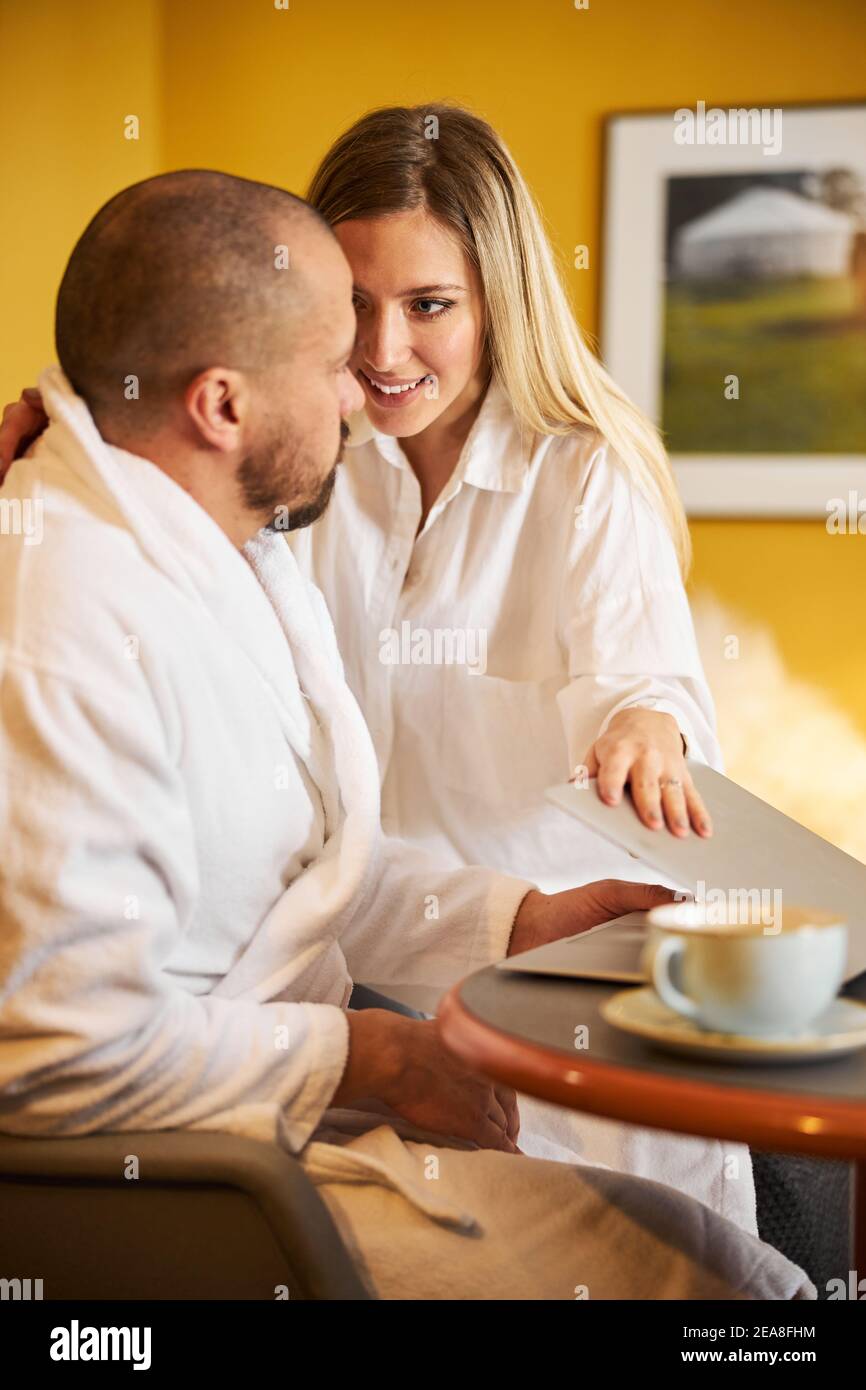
(181, 539)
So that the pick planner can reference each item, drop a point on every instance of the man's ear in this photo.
(218, 405)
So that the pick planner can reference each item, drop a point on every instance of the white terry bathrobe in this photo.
(193, 872)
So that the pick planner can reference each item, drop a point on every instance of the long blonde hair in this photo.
(448, 160)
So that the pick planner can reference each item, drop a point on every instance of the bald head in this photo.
(175, 275)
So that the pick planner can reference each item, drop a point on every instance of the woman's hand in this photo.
(644, 748)
(22, 422)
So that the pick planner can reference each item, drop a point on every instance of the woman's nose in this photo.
(385, 341)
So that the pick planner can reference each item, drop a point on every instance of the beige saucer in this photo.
(840, 1029)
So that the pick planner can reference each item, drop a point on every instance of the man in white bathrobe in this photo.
(193, 870)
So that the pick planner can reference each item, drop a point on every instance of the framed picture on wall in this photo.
(734, 298)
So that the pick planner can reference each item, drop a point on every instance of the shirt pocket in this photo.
(502, 740)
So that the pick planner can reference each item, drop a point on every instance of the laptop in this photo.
(756, 856)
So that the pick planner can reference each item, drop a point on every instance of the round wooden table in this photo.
(521, 1029)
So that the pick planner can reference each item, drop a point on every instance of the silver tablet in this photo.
(756, 856)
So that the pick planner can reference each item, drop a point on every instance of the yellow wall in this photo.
(261, 92)
(71, 72)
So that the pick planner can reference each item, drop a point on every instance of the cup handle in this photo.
(665, 987)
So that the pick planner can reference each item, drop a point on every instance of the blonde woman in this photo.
(504, 554)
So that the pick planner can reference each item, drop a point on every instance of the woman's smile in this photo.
(392, 395)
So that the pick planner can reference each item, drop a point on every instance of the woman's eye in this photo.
(441, 306)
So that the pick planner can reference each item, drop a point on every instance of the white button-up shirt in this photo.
(541, 596)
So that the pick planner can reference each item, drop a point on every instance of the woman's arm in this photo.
(637, 702)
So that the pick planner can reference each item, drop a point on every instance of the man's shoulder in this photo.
(68, 567)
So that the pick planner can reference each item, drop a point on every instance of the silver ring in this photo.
(671, 782)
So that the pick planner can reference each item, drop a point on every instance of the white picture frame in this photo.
(641, 155)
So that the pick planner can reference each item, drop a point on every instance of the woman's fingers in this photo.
(613, 773)
(674, 805)
(22, 421)
(684, 806)
(698, 813)
(668, 797)
(588, 768)
(646, 793)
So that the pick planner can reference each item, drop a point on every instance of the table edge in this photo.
(763, 1119)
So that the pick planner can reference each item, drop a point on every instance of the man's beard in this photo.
(263, 487)
(305, 516)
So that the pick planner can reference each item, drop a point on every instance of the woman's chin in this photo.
(402, 424)
(364, 422)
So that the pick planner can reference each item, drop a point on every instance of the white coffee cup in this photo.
(743, 977)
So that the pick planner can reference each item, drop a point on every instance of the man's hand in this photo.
(403, 1062)
(544, 917)
(644, 747)
(23, 421)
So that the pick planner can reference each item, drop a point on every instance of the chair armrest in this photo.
(273, 1179)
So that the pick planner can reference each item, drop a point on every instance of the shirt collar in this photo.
(496, 453)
